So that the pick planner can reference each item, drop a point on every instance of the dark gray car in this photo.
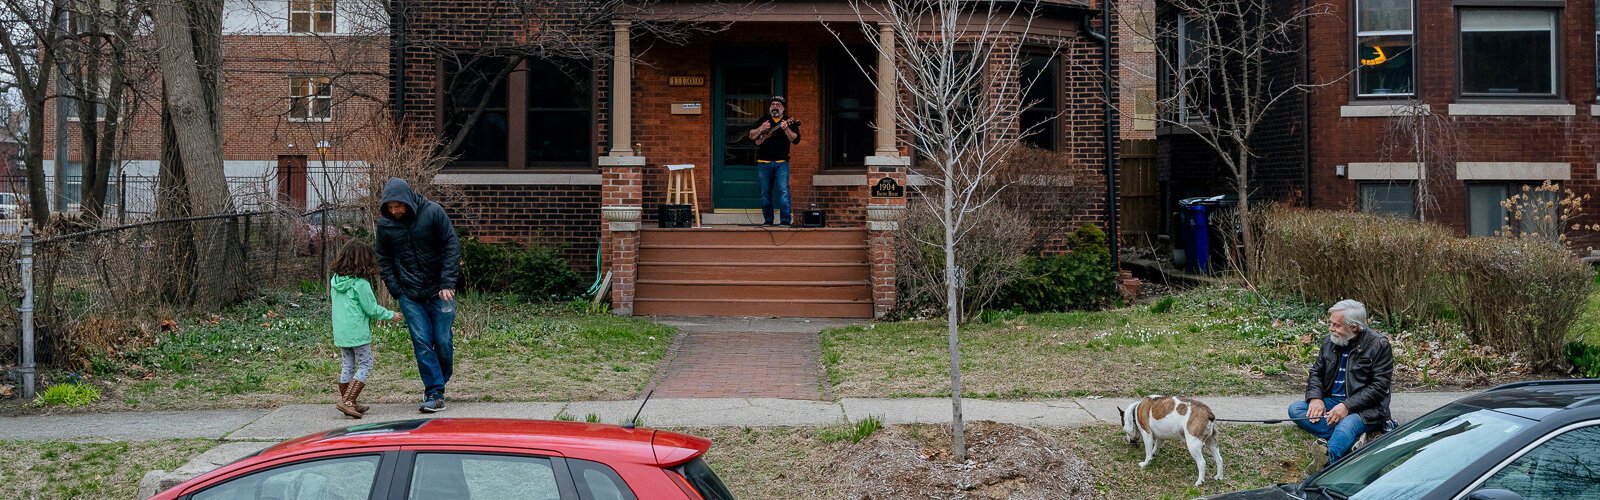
(1530, 440)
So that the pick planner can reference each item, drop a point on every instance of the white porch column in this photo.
(888, 87)
(622, 93)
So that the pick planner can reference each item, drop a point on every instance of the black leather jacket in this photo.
(419, 253)
(1371, 367)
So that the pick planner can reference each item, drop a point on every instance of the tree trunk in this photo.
(33, 163)
(90, 200)
(958, 442)
(189, 36)
(1247, 236)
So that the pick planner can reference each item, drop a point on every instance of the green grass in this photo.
(69, 395)
(65, 469)
(1587, 328)
(1210, 341)
(279, 350)
(852, 432)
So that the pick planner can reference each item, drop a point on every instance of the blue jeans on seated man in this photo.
(774, 180)
(1340, 436)
(430, 341)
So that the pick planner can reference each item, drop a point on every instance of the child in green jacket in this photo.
(354, 306)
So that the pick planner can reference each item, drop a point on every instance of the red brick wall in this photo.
(566, 217)
(1337, 141)
(256, 74)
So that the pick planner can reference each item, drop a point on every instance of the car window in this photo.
(1422, 454)
(347, 478)
(705, 480)
(448, 476)
(1565, 467)
(597, 481)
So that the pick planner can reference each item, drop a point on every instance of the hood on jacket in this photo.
(398, 190)
(343, 284)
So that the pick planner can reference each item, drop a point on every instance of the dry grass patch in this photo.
(1254, 456)
(65, 469)
(280, 351)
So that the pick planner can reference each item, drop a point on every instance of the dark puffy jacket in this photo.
(1370, 370)
(419, 253)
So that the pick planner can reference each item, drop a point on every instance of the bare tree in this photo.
(100, 67)
(31, 32)
(1431, 142)
(952, 55)
(1218, 66)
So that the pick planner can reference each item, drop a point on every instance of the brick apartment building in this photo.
(1496, 95)
(304, 81)
(558, 158)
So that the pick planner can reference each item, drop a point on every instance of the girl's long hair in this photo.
(357, 259)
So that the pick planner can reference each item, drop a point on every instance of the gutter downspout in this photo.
(397, 63)
(1109, 126)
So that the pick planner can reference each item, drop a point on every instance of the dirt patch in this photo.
(1003, 462)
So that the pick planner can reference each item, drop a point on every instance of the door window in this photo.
(446, 476)
(1564, 467)
(347, 478)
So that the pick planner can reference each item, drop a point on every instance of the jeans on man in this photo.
(431, 341)
(1340, 437)
(774, 180)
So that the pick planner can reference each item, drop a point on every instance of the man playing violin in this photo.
(772, 158)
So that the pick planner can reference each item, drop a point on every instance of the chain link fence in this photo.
(99, 289)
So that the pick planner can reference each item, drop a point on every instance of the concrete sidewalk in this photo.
(297, 420)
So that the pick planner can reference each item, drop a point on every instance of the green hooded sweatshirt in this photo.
(354, 308)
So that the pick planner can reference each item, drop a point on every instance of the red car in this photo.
(469, 459)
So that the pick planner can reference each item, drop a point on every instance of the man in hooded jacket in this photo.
(421, 262)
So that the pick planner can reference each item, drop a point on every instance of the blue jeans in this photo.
(430, 340)
(1340, 437)
(774, 180)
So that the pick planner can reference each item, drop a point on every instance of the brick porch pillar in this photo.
(623, 224)
(883, 220)
(622, 178)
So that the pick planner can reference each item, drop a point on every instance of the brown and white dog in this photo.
(1158, 418)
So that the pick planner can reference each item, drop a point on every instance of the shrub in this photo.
(70, 395)
(990, 250)
(1390, 264)
(1079, 279)
(854, 432)
(1516, 294)
(534, 272)
(1585, 359)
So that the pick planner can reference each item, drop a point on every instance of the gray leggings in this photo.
(356, 359)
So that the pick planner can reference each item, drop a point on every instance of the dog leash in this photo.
(1265, 421)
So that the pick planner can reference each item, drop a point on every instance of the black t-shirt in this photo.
(776, 147)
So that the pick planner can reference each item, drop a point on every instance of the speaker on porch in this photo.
(814, 217)
(675, 216)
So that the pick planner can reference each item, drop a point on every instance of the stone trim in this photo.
(1513, 171)
(1380, 110)
(888, 161)
(1383, 171)
(622, 219)
(622, 161)
(1512, 109)
(839, 180)
(518, 179)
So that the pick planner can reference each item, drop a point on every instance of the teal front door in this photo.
(743, 80)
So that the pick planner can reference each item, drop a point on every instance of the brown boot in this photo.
(345, 387)
(347, 403)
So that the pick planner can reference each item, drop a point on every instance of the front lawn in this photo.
(797, 463)
(279, 350)
(66, 469)
(1210, 341)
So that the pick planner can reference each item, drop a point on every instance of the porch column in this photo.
(882, 222)
(888, 86)
(622, 178)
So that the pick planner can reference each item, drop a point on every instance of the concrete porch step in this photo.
(753, 307)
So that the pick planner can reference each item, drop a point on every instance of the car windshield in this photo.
(1421, 455)
(704, 480)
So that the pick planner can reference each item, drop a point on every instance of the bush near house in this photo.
(533, 272)
(1517, 295)
(1082, 278)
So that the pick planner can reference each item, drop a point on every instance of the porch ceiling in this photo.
(786, 11)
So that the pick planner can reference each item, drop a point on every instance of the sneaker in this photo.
(432, 405)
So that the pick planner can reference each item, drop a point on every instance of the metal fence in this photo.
(97, 289)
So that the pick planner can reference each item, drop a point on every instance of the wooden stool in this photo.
(681, 189)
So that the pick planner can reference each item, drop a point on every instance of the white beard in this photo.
(1338, 340)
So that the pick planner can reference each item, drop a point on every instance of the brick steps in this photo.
(785, 272)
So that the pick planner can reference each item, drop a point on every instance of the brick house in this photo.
(562, 160)
(303, 83)
(1496, 95)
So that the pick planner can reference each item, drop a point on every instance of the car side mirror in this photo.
(1494, 494)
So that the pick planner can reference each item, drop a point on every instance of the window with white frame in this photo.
(310, 98)
(73, 113)
(1193, 38)
(311, 16)
(1508, 52)
(1385, 65)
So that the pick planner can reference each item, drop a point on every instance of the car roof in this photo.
(575, 439)
(1538, 400)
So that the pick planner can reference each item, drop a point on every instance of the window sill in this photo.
(1513, 171)
(310, 120)
(1383, 171)
(1512, 109)
(1594, 109)
(839, 179)
(1375, 110)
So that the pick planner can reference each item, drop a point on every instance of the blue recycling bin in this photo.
(1196, 236)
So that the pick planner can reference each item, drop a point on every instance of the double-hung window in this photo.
(1508, 52)
(1193, 39)
(1385, 52)
(310, 98)
(311, 16)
